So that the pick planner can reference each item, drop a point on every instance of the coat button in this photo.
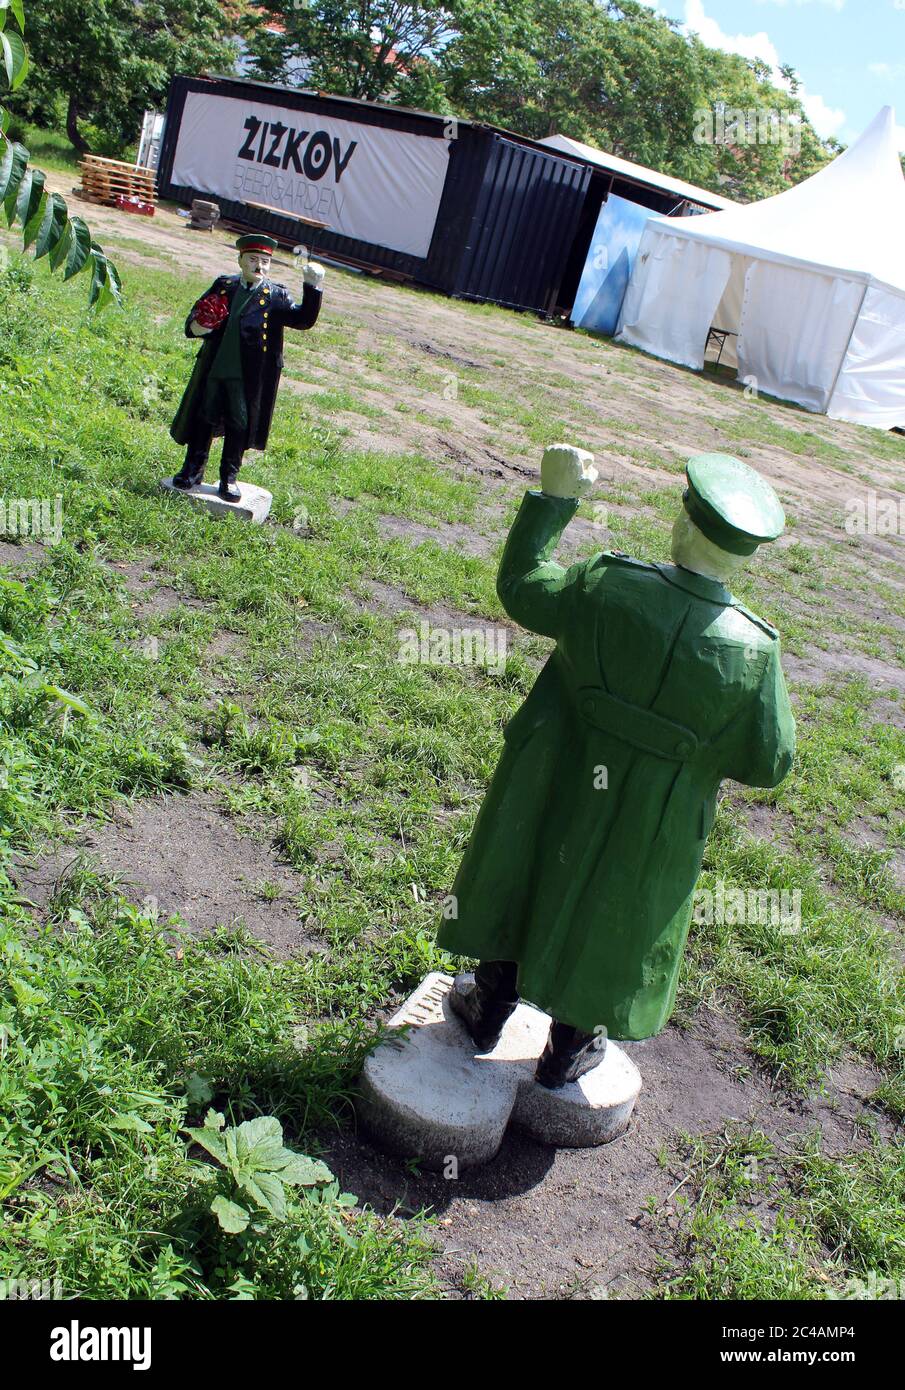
(588, 706)
(683, 749)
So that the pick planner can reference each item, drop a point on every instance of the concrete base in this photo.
(254, 506)
(425, 1094)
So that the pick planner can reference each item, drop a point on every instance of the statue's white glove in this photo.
(314, 274)
(566, 471)
(197, 329)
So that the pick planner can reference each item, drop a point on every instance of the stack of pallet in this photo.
(106, 180)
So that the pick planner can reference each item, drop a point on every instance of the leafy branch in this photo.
(44, 216)
(30, 672)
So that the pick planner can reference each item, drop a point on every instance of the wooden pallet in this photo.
(103, 179)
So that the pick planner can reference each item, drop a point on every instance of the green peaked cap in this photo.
(731, 504)
(256, 241)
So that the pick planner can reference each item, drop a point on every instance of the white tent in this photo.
(807, 287)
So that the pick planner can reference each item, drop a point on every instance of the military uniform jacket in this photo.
(585, 855)
(261, 348)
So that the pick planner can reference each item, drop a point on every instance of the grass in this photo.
(759, 1223)
(117, 1036)
(368, 774)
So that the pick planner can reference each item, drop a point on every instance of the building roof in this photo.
(637, 173)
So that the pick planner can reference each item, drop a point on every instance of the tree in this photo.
(760, 141)
(111, 59)
(373, 50)
(43, 216)
(617, 75)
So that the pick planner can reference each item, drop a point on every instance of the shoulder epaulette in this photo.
(762, 623)
(619, 557)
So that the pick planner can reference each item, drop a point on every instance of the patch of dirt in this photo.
(563, 1222)
(392, 602)
(433, 351)
(452, 536)
(222, 645)
(153, 597)
(184, 852)
(23, 557)
(819, 665)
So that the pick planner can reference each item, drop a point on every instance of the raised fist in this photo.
(566, 471)
(313, 275)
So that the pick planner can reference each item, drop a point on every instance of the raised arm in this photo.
(530, 585)
(303, 314)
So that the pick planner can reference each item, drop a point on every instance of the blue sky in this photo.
(849, 54)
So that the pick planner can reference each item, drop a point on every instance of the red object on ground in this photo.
(127, 204)
(212, 310)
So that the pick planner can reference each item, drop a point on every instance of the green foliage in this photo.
(108, 61)
(256, 1167)
(760, 1222)
(27, 676)
(44, 217)
(111, 1038)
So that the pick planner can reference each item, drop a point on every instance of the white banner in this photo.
(364, 181)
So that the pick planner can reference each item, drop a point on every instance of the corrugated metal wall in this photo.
(524, 221)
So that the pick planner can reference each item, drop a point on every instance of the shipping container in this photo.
(458, 207)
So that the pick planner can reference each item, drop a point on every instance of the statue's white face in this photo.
(254, 264)
(693, 551)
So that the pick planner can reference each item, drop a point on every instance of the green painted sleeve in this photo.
(530, 585)
(770, 736)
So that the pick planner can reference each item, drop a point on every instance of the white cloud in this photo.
(894, 71)
(827, 120)
(833, 4)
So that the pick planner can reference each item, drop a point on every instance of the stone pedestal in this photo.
(254, 505)
(425, 1094)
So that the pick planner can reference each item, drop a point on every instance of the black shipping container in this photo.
(507, 219)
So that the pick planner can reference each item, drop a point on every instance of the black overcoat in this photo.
(261, 326)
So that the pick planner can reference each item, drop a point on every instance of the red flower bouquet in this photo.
(212, 311)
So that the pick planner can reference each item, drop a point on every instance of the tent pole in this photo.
(829, 398)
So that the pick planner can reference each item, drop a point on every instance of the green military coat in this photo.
(585, 855)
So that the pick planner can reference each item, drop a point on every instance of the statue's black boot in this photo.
(568, 1055)
(196, 455)
(230, 464)
(190, 474)
(483, 1011)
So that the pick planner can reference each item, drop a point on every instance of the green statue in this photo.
(576, 889)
